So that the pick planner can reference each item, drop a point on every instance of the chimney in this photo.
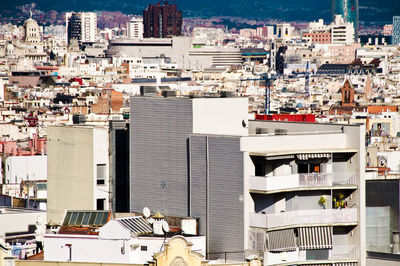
(158, 224)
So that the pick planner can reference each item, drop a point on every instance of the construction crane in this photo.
(307, 85)
(267, 79)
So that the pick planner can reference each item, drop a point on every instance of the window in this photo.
(143, 248)
(100, 207)
(101, 174)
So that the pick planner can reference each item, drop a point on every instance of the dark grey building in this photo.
(74, 27)
(181, 173)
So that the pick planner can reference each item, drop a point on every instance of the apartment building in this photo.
(342, 31)
(81, 26)
(291, 192)
(305, 192)
(135, 28)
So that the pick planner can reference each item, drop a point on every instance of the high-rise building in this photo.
(388, 30)
(81, 26)
(74, 29)
(342, 31)
(135, 28)
(396, 30)
(298, 203)
(163, 20)
(349, 11)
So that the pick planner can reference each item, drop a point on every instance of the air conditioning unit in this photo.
(280, 131)
(261, 130)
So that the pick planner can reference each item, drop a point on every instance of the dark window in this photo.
(143, 248)
(100, 207)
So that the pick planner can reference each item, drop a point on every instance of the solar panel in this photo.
(85, 218)
(137, 225)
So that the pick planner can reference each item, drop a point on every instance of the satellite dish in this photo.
(146, 212)
(165, 227)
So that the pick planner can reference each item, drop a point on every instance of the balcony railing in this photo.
(304, 217)
(271, 183)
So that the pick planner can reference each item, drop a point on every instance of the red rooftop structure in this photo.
(308, 118)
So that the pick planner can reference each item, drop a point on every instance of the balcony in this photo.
(346, 216)
(347, 254)
(270, 184)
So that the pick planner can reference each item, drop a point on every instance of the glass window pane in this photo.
(104, 220)
(67, 217)
(92, 218)
(73, 218)
(101, 174)
(98, 218)
(80, 217)
(86, 217)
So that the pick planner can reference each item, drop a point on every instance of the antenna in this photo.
(146, 212)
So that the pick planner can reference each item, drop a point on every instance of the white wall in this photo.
(222, 116)
(88, 248)
(20, 168)
(294, 143)
(100, 156)
(15, 221)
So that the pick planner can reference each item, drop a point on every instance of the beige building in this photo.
(78, 176)
(31, 31)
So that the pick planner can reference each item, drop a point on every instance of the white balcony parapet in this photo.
(272, 183)
(304, 217)
(343, 252)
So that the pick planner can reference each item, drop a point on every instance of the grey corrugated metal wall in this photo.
(222, 184)
(160, 128)
(198, 180)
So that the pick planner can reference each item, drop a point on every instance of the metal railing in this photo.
(304, 217)
(271, 183)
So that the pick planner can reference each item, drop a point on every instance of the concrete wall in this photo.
(71, 177)
(223, 116)
(91, 248)
(19, 222)
(294, 143)
(177, 48)
(19, 168)
(100, 156)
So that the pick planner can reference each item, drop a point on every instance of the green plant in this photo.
(322, 201)
(338, 201)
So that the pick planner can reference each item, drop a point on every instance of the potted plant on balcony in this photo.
(322, 201)
(338, 201)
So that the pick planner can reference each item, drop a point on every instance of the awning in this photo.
(306, 156)
(318, 237)
(282, 240)
(279, 157)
